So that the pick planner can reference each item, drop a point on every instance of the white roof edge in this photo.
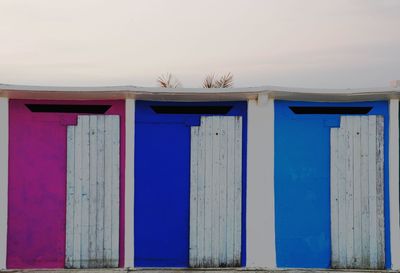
(140, 89)
(130, 91)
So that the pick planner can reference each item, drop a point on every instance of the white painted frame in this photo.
(3, 180)
(394, 182)
(129, 182)
(260, 207)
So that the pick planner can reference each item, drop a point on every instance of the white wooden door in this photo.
(92, 222)
(357, 194)
(216, 192)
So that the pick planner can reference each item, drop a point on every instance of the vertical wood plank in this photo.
(107, 190)
(85, 193)
(357, 190)
(334, 198)
(380, 193)
(349, 191)
(115, 192)
(201, 195)
(238, 190)
(364, 193)
(208, 193)
(372, 191)
(78, 195)
(342, 193)
(92, 189)
(69, 247)
(100, 191)
(230, 221)
(215, 191)
(223, 191)
(194, 167)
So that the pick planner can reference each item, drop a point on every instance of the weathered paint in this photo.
(37, 184)
(215, 192)
(302, 184)
(3, 179)
(93, 192)
(162, 183)
(357, 224)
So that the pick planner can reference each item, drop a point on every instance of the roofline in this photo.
(196, 94)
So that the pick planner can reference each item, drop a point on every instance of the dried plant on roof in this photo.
(225, 81)
(212, 81)
(168, 81)
(209, 81)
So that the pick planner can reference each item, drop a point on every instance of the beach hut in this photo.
(190, 173)
(331, 184)
(65, 183)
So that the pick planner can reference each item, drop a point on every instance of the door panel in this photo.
(92, 222)
(357, 214)
(215, 194)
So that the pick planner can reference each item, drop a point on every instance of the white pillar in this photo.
(260, 184)
(394, 183)
(129, 181)
(3, 180)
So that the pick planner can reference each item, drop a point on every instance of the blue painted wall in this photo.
(162, 183)
(302, 183)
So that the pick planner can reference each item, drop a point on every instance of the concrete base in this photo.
(198, 270)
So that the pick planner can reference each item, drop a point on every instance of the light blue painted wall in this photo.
(302, 183)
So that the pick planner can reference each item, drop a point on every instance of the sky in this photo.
(307, 43)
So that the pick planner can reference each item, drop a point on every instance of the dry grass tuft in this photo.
(212, 81)
(168, 81)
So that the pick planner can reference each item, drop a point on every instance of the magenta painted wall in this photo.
(37, 184)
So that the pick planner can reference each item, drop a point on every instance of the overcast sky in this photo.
(307, 43)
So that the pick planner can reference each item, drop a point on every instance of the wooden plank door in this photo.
(357, 195)
(216, 192)
(92, 221)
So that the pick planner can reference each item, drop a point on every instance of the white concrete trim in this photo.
(394, 183)
(129, 181)
(3, 180)
(260, 212)
(158, 90)
(196, 94)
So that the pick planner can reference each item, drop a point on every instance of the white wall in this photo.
(394, 182)
(260, 211)
(3, 180)
(129, 181)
